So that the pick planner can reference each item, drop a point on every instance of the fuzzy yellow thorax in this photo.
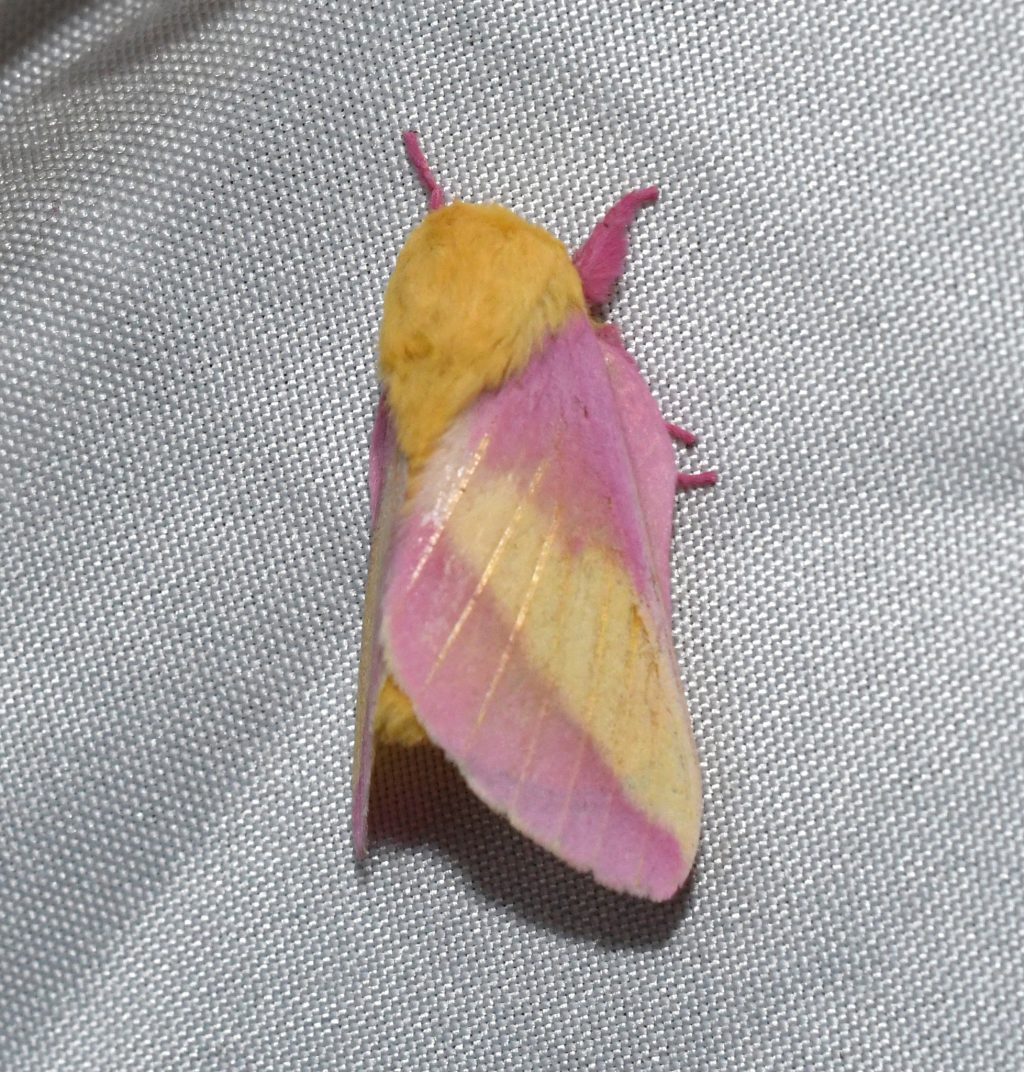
(475, 291)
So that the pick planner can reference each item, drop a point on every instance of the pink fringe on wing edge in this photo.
(419, 161)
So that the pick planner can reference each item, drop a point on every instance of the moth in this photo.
(522, 485)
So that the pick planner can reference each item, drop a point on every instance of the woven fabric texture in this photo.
(200, 204)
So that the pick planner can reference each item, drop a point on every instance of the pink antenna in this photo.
(600, 259)
(419, 162)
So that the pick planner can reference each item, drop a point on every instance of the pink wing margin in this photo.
(581, 434)
(387, 494)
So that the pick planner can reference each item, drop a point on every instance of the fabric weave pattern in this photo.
(200, 204)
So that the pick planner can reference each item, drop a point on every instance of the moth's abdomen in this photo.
(395, 721)
(475, 292)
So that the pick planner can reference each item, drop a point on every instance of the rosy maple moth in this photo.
(522, 486)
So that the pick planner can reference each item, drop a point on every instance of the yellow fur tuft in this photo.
(475, 291)
(396, 722)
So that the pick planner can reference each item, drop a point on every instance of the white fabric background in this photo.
(199, 206)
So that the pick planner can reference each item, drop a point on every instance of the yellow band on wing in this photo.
(587, 633)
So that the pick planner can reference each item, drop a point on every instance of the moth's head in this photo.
(481, 265)
(478, 254)
(475, 291)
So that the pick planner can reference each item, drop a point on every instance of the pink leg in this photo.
(419, 161)
(686, 481)
(600, 259)
(688, 439)
(689, 480)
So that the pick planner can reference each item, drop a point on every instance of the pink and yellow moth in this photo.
(522, 487)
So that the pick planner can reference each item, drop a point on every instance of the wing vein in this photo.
(449, 508)
(628, 678)
(517, 625)
(489, 569)
(596, 661)
(562, 606)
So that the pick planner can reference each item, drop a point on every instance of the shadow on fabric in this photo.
(419, 798)
(22, 24)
